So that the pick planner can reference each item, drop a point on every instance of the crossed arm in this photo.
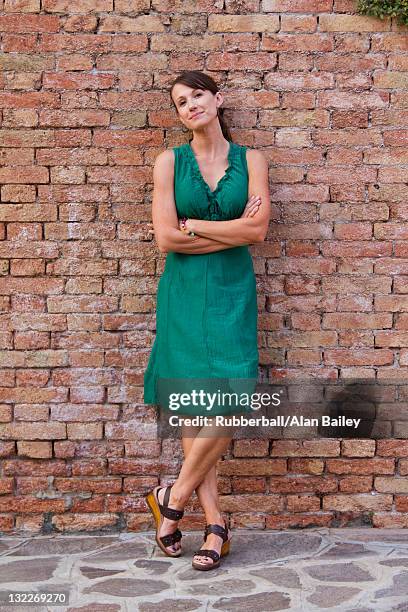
(210, 235)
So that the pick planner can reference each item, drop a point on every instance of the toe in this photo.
(203, 560)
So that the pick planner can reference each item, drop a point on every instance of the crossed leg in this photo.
(202, 451)
(207, 494)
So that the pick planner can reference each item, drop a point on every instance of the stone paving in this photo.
(347, 569)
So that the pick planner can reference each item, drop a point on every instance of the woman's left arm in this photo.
(246, 230)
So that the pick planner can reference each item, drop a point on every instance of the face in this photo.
(196, 107)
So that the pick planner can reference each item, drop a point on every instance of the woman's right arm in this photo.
(167, 233)
(164, 214)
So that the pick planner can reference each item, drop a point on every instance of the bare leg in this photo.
(203, 454)
(207, 494)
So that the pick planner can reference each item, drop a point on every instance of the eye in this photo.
(197, 94)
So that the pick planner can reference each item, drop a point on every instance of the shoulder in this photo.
(257, 163)
(165, 158)
(256, 158)
(164, 162)
(163, 170)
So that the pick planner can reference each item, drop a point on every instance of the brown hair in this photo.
(198, 80)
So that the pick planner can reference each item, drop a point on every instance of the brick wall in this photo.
(84, 112)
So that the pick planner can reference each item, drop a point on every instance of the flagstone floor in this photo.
(347, 570)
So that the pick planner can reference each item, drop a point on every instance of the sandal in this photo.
(160, 510)
(222, 532)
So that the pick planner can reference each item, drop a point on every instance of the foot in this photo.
(212, 542)
(168, 526)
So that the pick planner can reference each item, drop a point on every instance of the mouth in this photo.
(197, 115)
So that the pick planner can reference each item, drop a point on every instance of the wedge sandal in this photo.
(160, 510)
(220, 531)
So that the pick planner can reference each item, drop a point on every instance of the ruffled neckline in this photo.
(199, 176)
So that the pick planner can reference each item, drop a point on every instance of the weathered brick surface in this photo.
(84, 112)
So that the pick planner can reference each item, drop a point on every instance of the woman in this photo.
(210, 201)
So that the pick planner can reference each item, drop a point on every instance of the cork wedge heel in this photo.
(162, 510)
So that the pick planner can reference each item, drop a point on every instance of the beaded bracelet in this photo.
(184, 228)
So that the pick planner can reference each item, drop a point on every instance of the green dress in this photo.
(206, 315)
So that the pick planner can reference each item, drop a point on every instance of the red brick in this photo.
(297, 42)
(305, 448)
(393, 448)
(401, 503)
(303, 503)
(6, 522)
(27, 484)
(123, 503)
(29, 23)
(247, 503)
(33, 431)
(6, 485)
(300, 285)
(139, 484)
(29, 505)
(251, 467)
(393, 520)
(5, 413)
(241, 61)
(83, 522)
(391, 485)
(358, 357)
(358, 448)
(251, 448)
(403, 467)
(37, 450)
(305, 466)
(360, 466)
(84, 431)
(305, 484)
(69, 6)
(84, 413)
(96, 485)
(243, 484)
(357, 502)
(356, 484)
(94, 467)
(22, 6)
(32, 523)
(147, 448)
(139, 522)
(356, 321)
(247, 521)
(94, 504)
(7, 448)
(34, 467)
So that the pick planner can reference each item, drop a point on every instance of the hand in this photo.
(187, 226)
(252, 207)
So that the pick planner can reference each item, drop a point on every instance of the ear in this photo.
(219, 99)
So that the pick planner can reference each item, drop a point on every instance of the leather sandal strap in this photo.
(171, 538)
(222, 532)
(170, 513)
(207, 553)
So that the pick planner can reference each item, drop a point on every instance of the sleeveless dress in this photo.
(206, 314)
